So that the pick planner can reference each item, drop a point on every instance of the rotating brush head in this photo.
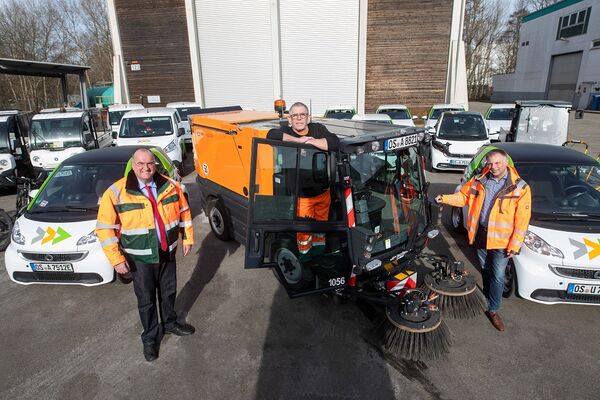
(454, 291)
(412, 329)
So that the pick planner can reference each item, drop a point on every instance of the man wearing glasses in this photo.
(314, 199)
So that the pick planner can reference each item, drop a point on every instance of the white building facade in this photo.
(558, 58)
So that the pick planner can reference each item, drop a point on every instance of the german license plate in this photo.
(575, 288)
(401, 142)
(51, 267)
(459, 162)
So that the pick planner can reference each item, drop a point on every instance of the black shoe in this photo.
(180, 329)
(150, 351)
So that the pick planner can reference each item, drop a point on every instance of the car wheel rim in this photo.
(289, 265)
(216, 221)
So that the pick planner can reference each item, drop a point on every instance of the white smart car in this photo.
(158, 127)
(559, 261)
(54, 240)
(499, 117)
(376, 118)
(339, 112)
(399, 113)
(185, 108)
(454, 140)
(437, 109)
(115, 114)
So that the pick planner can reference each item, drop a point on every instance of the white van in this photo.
(185, 108)
(56, 136)
(157, 126)
(115, 113)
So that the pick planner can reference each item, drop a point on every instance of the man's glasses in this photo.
(299, 116)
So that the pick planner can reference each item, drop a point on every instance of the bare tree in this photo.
(508, 42)
(534, 5)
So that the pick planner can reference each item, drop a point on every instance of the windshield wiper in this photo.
(63, 209)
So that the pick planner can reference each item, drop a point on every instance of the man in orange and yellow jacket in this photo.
(499, 211)
(139, 221)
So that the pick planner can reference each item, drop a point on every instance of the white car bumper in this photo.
(442, 162)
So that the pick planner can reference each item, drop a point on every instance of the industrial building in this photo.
(558, 57)
(249, 52)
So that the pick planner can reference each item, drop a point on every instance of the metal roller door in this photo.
(236, 60)
(564, 71)
(319, 52)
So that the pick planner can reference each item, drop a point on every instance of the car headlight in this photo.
(17, 237)
(540, 246)
(170, 147)
(87, 239)
(35, 158)
(4, 163)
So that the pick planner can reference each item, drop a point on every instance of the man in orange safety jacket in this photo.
(499, 210)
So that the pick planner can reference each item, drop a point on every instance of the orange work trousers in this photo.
(317, 208)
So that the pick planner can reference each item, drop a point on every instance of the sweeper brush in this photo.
(453, 290)
(413, 329)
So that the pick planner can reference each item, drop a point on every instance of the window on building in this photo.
(596, 44)
(573, 24)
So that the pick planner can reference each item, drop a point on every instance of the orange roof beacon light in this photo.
(280, 107)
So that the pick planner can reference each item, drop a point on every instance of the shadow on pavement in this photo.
(210, 255)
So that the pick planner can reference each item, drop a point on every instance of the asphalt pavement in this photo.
(253, 342)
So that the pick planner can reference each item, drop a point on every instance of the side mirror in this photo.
(414, 117)
(495, 140)
(33, 193)
(424, 117)
(180, 131)
(578, 114)
(114, 134)
(319, 168)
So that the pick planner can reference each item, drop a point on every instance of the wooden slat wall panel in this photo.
(407, 52)
(154, 32)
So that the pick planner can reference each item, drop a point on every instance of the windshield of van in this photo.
(56, 133)
(396, 113)
(543, 124)
(435, 114)
(462, 127)
(114, 117)
(76, 188)
(388, 198)
(146, 127)
(563, 189)
(185, 111)
(500, 114)
(4, 148)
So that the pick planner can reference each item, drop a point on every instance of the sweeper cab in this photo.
(377, 221)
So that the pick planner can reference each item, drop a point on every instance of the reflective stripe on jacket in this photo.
(509, 215)
(126, 221)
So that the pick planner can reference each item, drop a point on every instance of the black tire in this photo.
(219, 221)
(456, 218)
(296, 275)
(6, 226)
(509, 280)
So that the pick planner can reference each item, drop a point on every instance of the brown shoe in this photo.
(495, 320)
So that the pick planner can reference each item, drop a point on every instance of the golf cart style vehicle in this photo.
(14, 156)
(115, 114)
(157, 126)
(399, 113)
(454, 141)
(56, 136)
(438, 109)
(542, 121)
(185, 109)
(339, 112)
(499, 117)
(559, 260)
(53, 240)
(378, 221)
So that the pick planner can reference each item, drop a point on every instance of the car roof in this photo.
(150, 112)
(503, 105)
(372, 117)
(392, 106)
(178, 104)
(58, 115)
(340, 107)
(535, 103)
(447, 105)
(122, 107)
(110, 155)
(543, 153)
(473, 113)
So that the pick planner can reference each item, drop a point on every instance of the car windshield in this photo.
(145, 127)
(4, 148)
(462, 127)
(543, 124)
(339, 114)
(114, 117)
(76, 188)
(56, 133)
(388, 196)
(559, 189)
(396, 113)
(435, 114)
(500, 114)
(185, 111)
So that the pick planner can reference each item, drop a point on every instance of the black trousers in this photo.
(152, 282)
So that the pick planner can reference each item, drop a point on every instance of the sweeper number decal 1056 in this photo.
(401, 142)
(337, 281)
